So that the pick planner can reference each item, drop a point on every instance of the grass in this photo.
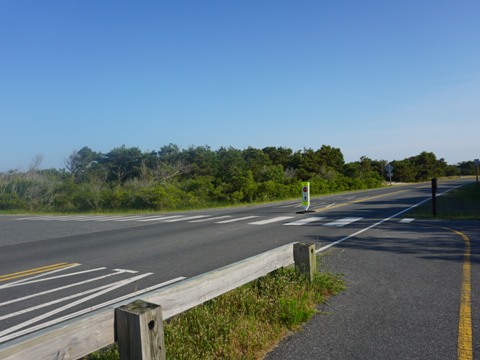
(247, 322)
(460, 204)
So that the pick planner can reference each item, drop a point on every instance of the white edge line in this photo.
(370, 227)
(381, 222)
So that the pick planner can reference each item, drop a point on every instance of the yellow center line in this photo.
(465, 349)
(34, 271)
(358, 200)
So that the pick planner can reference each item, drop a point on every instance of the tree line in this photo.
(173, 178)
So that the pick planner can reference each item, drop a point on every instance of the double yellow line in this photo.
(357, 201)
(35, 271)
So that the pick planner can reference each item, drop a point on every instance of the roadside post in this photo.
(434, 196)
(305, 259)
(139, 329)
(389, 169)
(477, 163)
(305, 195)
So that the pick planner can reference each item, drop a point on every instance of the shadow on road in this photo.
(429, 240)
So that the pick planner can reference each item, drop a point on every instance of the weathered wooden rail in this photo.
(81, 336)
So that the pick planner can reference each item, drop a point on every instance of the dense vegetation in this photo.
(198, 177)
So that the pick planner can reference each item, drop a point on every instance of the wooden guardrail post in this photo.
(140, 331)
(305, 259)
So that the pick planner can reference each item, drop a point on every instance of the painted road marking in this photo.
(161, 218)
(31, 329)
(39, 270)
(225, 219)
(406, 220)
(236, 219)
(370, 227)
(305, 221)
(29, 281)
(133, 218)
(465, 347)
(271, 220)
(343, 222)
(212, 218)
(62, 287)
(70, 305)
(464, 351)
(335, 205)
(53, 302)
(188, 218)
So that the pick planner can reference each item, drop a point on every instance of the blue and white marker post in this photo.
(305, 195)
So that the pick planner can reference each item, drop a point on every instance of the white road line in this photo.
(28, 282)
(406, 220)
(70, 297)
(160, 218)
(43, 218)
(343, 222)
(106, 218)
(126, 271)
(188, 218)
(305, 221)
(69, 218)
(212, 218)
(272, 220)
(371, 226)
(84, 311)
(133, 218)
(38, 276)
(60, 288)
(236, 219)
(70, 305)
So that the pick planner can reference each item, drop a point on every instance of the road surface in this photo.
(55, 267)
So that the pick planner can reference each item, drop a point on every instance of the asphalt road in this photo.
(53, 266)
(402, 300)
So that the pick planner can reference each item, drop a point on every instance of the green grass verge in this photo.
(247, 322)
(460, 204)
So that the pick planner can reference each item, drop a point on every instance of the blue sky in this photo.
(376, 78)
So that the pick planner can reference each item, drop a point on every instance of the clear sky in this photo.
(377, 78)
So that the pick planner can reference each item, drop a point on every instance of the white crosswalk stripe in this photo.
(160, 218)
(236, 219)
(211, 218)
(342, 222)
(272, 220)
(305, 221)
(132, 218)
(187, 218)
(221, 219)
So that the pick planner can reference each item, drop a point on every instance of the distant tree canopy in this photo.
(173, 178)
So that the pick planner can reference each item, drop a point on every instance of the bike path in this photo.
(403, 298)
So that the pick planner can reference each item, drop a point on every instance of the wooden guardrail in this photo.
(81, 336)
